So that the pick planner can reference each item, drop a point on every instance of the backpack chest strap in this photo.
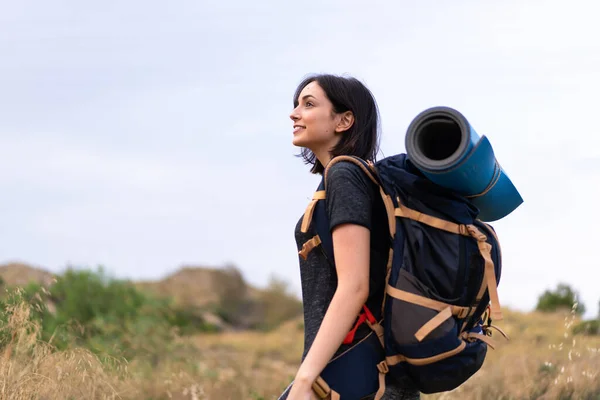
(310, 209)
(308, 246)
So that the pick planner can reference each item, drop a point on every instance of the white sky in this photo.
(144, 136)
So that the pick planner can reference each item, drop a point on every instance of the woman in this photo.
(336, 116)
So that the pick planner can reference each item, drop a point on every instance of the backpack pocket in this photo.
(410, 314)
(354, 374)
(426, 338)
(432, 370)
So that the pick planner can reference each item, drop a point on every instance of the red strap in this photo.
(350, 336)
(367, 315)
(370, 316)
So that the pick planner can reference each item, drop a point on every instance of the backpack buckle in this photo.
(476, 233)
(321, 388)
(383, 367)
(463, 312)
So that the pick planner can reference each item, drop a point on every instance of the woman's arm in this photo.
(351, 245)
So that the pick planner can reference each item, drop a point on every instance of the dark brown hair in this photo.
(347, 94)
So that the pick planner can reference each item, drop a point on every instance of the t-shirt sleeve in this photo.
(349, 195)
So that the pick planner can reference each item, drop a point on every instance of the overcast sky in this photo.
(144, 136)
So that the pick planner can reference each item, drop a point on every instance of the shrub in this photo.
(108, 316)
(591, 327)
(564, 297)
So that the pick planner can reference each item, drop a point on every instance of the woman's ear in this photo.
(345, 123)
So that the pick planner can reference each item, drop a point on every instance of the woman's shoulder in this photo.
(345, 169)
(345, 173)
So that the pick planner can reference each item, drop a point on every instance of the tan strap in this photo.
(308, 246)
(383, 370)
(460, 312)
(433, 323)
(499, 330)
(482, 288)
(379, 331)
(352, 160)
(488, 340)
(405, 212)
(489, 275)
(476, 233)
(485, 249)
(387, 276)
(390, 211)
(310, 209)
(489, 228)
(398, 358)
(323, 391)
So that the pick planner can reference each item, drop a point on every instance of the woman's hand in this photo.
(302, 390)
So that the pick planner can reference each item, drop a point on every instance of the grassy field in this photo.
(541, 361)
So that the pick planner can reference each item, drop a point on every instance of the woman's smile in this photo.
(298, 128)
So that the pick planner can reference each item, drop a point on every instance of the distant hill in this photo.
(199, 286)
(18, 274)
(220, 295)
(223, 293)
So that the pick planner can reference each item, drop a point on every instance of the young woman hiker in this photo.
(335, 116)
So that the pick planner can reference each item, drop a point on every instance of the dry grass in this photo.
(31, 369)
(542, 361)
(209, 366)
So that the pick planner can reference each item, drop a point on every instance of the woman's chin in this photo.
(298, 142)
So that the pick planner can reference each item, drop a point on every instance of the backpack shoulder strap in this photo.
(367, 168)
(321, 221)
(318, 208)
(371, 171)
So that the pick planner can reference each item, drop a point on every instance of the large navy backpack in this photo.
(441, 295)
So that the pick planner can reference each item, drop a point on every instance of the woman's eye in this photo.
(309, 104)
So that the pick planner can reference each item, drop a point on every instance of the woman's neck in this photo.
(323, 157)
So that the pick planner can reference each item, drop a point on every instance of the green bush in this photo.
(591, 327)
(108, 316)
(564, 297)
(113, 317)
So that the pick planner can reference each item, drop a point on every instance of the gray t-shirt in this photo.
(351, 197)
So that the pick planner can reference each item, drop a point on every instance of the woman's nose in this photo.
(294, 115)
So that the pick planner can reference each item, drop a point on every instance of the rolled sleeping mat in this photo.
(442, 144)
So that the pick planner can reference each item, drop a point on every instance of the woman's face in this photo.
(315, 123)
